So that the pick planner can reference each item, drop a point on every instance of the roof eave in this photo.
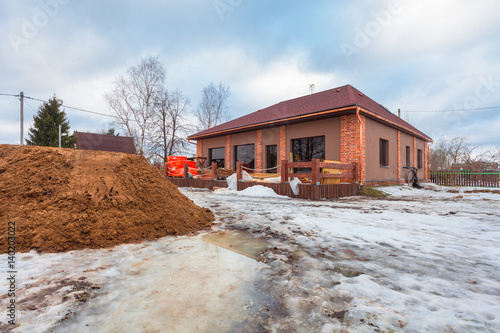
(316, 115)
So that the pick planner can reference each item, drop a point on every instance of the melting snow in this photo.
(417, 261)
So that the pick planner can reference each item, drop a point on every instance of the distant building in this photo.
(340, 124)
(104, 142)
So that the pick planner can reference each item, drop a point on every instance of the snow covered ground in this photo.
(416, 261)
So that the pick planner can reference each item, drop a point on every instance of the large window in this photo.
(305, 149)
(408, 156)
(384, 152)
(271, 158)
(246, 155)
(218, 155)
(419, 158)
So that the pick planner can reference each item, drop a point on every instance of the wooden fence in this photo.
(314, 191)
(465, 178)
(307, 191)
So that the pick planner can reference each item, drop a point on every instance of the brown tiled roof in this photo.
(104, 142)
(309, 107)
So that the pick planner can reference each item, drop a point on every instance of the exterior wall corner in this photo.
(399, 155)
(228, 152)
(353, 142)
(258, 151)
(199, 148)
(282, 147)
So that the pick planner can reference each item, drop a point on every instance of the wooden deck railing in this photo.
(315, 190)
(315, 174)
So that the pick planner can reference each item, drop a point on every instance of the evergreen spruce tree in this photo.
(45, 130)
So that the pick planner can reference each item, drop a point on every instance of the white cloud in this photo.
(431, 55)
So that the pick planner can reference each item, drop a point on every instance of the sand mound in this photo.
(65, 199)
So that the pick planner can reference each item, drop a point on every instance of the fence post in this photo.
(284, 170)
(315, 177)
(186, 170)
(214, 171)
(239, 175)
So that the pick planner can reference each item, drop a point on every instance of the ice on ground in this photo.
(185, 284)
(417, 261)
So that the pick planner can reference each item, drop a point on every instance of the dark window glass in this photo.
(384, 152)
(218, 155)
(408, 156)
(419, 158)
(271, 158)
(305, 149)
(246, 155)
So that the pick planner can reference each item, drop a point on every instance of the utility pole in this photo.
(59, 136)
(21, 98)
(399, 113)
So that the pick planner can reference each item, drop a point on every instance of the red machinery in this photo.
(175, 165)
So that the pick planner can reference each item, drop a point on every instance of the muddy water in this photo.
(239, 241)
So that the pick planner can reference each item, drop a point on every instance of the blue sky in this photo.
(416, 56)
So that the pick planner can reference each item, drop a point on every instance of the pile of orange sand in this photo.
(66, 199)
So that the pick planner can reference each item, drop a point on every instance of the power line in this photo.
(78, 109)
(41, 119)
(116, 117)
(68, 107)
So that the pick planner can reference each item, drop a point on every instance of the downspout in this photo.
(360, 146)
(188, 140)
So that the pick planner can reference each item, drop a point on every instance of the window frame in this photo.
(408, 156)
(268, 165)
(221, 162)
(384, 153)
(251, 163)
(419, 159)
(292, 147)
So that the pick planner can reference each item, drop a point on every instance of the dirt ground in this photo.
(66, 199)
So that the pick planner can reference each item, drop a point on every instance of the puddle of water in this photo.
(239, 241)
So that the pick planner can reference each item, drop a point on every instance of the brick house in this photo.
(340, 124)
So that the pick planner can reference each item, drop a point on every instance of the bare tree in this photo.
(133, 98)
(439, 155)
(456, 149)
(445, 153)
(479, 159)
(212, 110)
(170, 124)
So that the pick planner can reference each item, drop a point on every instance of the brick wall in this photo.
(258, 151)
(199, 148)
(353, 143)
(426, 162)
(399, 154)
(228, 152)
(282, 145)
(414, 152)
